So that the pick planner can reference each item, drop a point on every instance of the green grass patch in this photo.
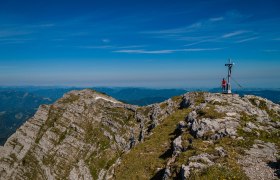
(245, 118)
(53, 116)
(94, 134)
(199, 98)
(266, 136)
(210, 112)
(250, 137)
(274, 116)
(31, 166)
(102, 160)
(197, 147)
(14, 157)
(48, 160)
(177, 99)
(62, 136)
(144, 110)
(213, 102)
(71, 98)
(163, 105)
(234, 170)
(120, 115)
(143, 161)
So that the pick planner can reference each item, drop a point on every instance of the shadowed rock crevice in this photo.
(275, 166)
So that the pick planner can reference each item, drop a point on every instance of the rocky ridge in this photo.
(89, 135)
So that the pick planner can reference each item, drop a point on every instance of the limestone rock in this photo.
(185, 172)
(257, 159)
(177, 145)
(221, 151)
(85, 135)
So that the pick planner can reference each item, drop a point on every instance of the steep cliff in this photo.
(89, 135)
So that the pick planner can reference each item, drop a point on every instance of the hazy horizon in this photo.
(158, 44)
(235, 88)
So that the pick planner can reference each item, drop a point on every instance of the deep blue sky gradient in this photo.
(159, 43)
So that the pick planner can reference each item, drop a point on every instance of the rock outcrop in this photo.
(89, 135)
(218, 122)
(78, 137)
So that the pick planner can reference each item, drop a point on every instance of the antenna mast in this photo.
(229, 65)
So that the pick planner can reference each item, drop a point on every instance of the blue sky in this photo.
(159, 43)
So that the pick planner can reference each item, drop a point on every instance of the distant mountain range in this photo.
(17, 104)
(270, 94)
(137, 96)
(15, 108)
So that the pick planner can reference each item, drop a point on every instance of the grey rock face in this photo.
(65, 139)
(177, 145)
(221, 151)
(185, 172)
(204, 158)
(187, 102)
(81, 172)
(198, 162)
(222, 116)
(166, 174)
(182, 126)
(84, 135)
(255, 162)
(250, 125)
(228, 110)
(81, 136)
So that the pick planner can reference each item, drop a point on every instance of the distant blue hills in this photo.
(18, 104)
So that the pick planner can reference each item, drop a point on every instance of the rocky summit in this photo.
(199, 135)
